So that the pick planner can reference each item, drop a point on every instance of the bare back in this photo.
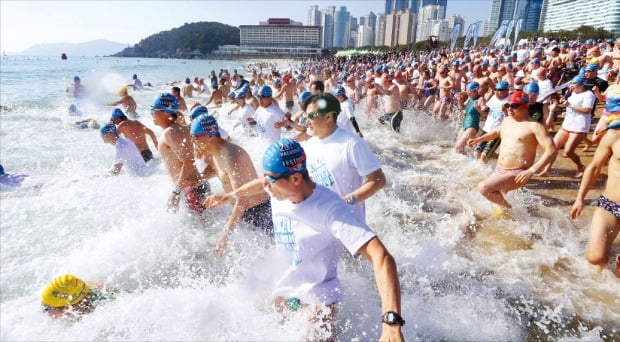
(134, 131)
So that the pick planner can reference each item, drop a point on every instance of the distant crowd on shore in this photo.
(310, 193)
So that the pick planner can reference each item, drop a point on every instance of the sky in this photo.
(27, 23)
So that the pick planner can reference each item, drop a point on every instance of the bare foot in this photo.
(579, 173)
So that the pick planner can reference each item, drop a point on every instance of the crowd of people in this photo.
(310, 194)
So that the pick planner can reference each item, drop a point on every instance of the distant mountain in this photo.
(194, 40)
(97, 47)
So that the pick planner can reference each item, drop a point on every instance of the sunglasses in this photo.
(314, 116)
(272, 179)
(512, 105)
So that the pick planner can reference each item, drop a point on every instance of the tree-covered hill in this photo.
(194, 40)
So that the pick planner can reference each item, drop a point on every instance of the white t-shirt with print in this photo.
(496, 115)
(577, 122)
(265, 119)
(311, 234)
(344, 118)
(340, 162)
(127, 153)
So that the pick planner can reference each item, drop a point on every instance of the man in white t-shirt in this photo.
(267, 116)
(126, 152)
(347, 119)
(311, 226)
(337, 158)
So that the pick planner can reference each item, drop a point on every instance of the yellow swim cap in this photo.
(594, 60)
(64, 290)
(123, 91)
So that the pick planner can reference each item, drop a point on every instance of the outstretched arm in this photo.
(386, 276)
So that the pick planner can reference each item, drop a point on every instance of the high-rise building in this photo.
(314, 16)
(427, 14)
(568, 15)
(400, 28)
(505, 10)
(414, 6)
(442, 3)
(342, 29)
(389, 6)
(531, 15)
(380, 30)
(456, 19)
(354, 24)
(327, 24)
(365, 35)
(280, 37)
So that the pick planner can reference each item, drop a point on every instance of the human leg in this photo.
(574, 139)
(494, 188)
(603, 230)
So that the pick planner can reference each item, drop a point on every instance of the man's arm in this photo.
(487, 137)
(250, 188)
(375, 181)
(182, 147)
(592, 172)
(388, 285)
(150, 133)
(116, 169)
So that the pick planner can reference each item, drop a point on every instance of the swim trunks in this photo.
(499, 171)
(394, 119)
(486, 148)
(609, 205)
(289, 105)
(146, 155)
(260, 217)
(445, 100)
(195, 196)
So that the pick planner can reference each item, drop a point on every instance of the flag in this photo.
(517, 30)
(477, 32)
(500, 32)
(469, 34)
(511, 25)
(455, 34)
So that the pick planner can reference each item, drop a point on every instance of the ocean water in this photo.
(464, 275)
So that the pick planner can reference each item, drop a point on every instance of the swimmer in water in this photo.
(76, 88)
(127, 102)
(126, 151)
(135, 131)
(12, 180)
(68, 296)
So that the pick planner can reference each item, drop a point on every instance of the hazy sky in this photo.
(26, 23)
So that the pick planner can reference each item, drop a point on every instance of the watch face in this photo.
(390, 318)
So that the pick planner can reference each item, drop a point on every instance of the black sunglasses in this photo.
(512, 105)
(272, 179)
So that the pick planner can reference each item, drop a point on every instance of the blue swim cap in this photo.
(456, 63)
(166, 102)
(241, 94)
(579, 79)
(73, 108)
(591, 67)
(118, 114)
(197, 111)
(378, 69)
(339, 91)
(535, 60)
(75, 78)
(485, 63)
(187, 80)
(1, 170)
(265, 91)
(473, 86)
(285, 156)
(531, 87)
(109, 128)
(277, 81)
(231, 95)
(494, 64)
(204, 124)
(522, 63)
(134, 76)
(501, 85)
(304, 96)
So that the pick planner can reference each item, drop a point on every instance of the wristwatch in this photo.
(392, 317)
